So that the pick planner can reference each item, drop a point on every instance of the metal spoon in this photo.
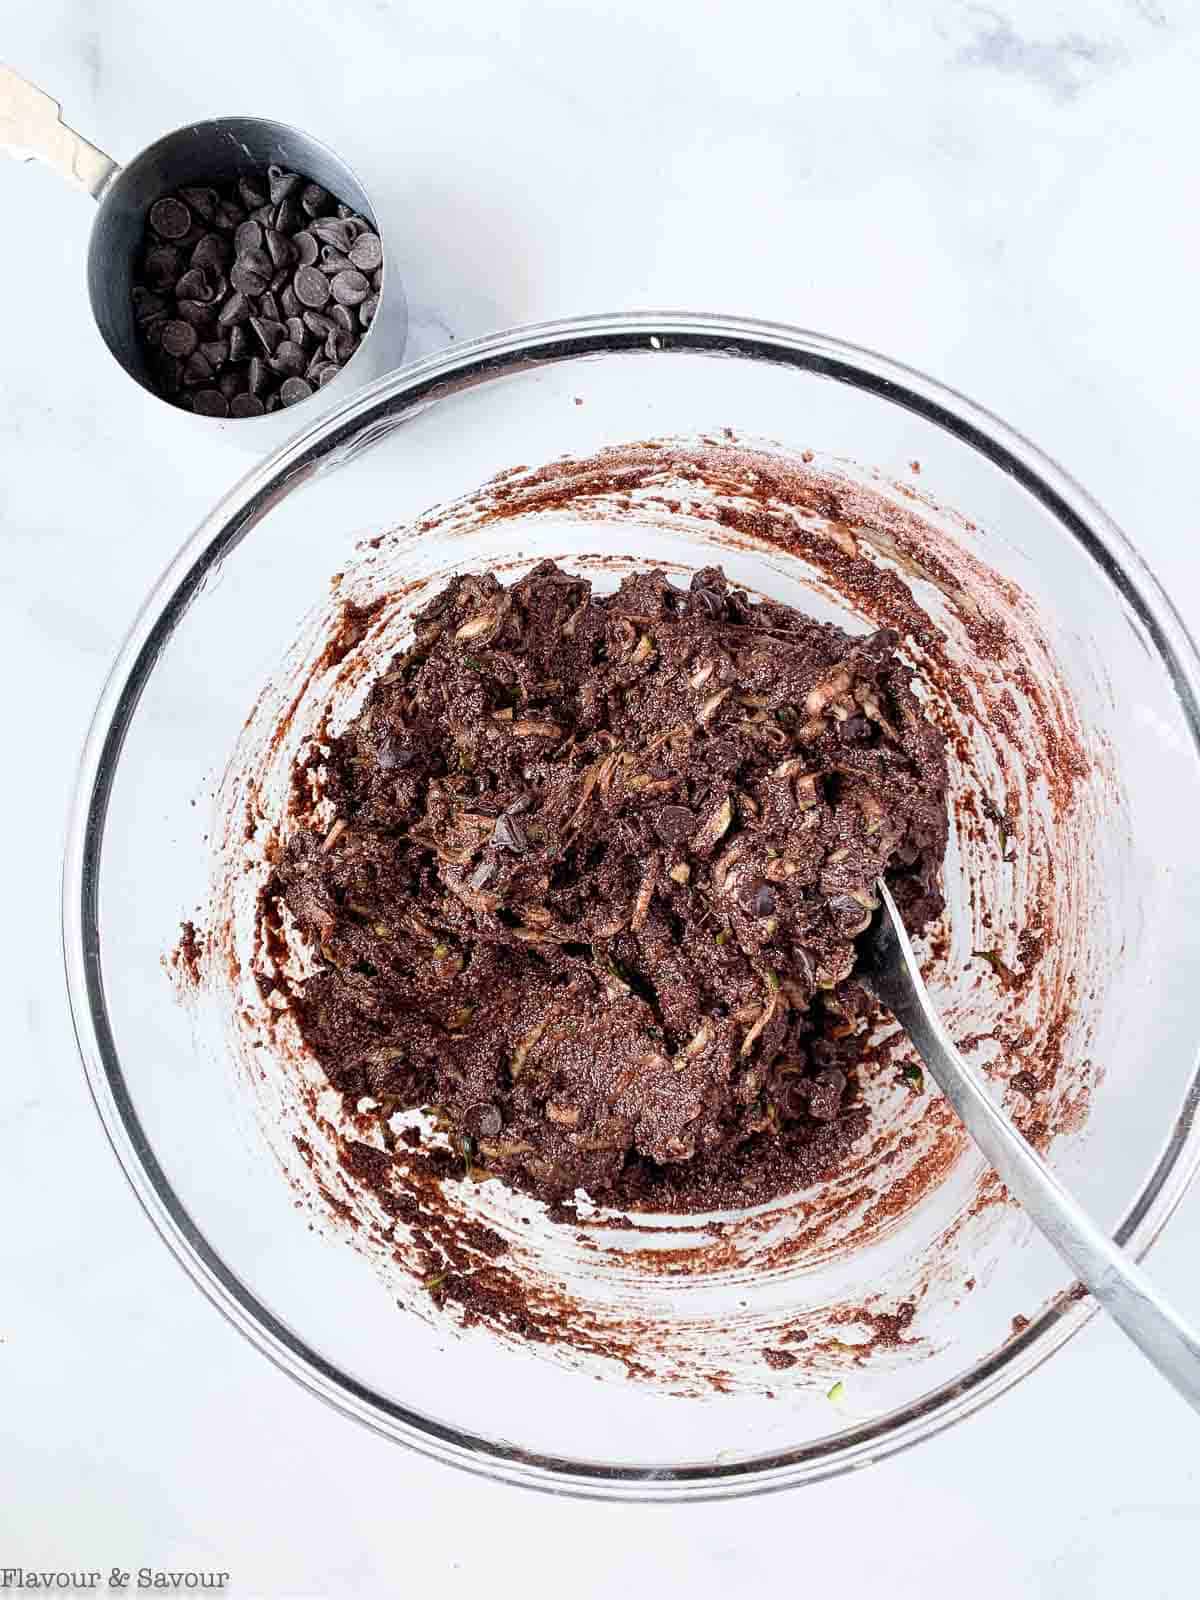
(889, 968)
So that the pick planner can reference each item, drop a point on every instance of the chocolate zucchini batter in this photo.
(595, 877)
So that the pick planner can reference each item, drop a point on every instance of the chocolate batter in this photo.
(597, 871)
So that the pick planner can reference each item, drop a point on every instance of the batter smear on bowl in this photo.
(595, 878)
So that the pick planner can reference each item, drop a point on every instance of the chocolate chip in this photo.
(324, 372)
(170, 218)
(269, 308)
(202, 201)
(332, 261)
(216, 353)
(825, 1095)
(293, 390)
(278, 247)
(193, 286)
(168, 370)
(282, 183)
(318, 323)
(245, 405)
(210, 253)
(307, 249)
(264, 215)
(247, 281)
(147, 306)
(228, 216)
(366, 311)
(288, 215)
(351, 288)
(709, 599)
(765, 901)
(342, 317)
(288, 358)
(198, 312)
(210, 403)
(314, 200)
(251, 194)
(674, 824)
(331, 231)
(161, 266)
(269, 333)
(197, 369)
(240, 348)
(249, 236)
(280, 280)
(272, 401)
(179, 338)
(258, 376)
(311, 286)
(856, 730)
(298, 333)
(229, 383)
(235, 309)
(339, 346)
(367, 253)
(290, 301)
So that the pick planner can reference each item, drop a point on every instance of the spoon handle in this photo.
(31, 126)
(1108, 1274)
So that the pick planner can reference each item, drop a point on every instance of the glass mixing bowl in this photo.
(222, 619)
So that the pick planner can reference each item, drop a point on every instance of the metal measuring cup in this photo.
(220, 151)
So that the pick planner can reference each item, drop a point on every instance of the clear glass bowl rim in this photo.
(337, 435)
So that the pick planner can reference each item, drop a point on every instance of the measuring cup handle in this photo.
(31, 128)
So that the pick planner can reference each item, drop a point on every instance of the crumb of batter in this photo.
(595, 878)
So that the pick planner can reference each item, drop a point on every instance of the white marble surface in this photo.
(1001, 194)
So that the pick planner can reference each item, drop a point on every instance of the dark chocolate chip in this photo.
(269, 333)
(249, 236)
(314, 200)
(229, 383)
(179, 338)
(197, 369)
(674, 824)
(210, 403)
(194, 285)
(170, 218)
(366, 311)
(350, 288)
(288, 358)
(240, 348)
(201, 200)
(325, 373)
(509, 834)
(228, 217)
(161, 266)
(216, 352)
(210, 253)
(278, 247)
(198, 312)
(248, 282)
(282, 183)
(147, 306)
(268, 307)
(765, 901)
(258, 376)
(293, 390)
(367, 253)
(318, 323)
(235, 309)
(332, 261)
(245, 405)
(288, 215)
(343, 317)
(307, 249)
(331, 231)
(290, 301)
(251, 194)
(311, 286)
